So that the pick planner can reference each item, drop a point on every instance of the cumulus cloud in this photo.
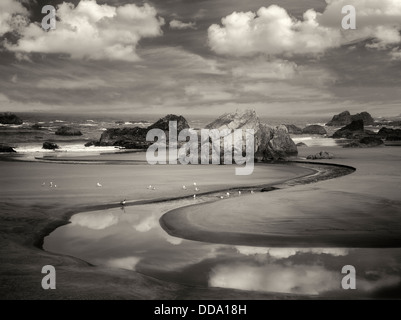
(273, 31)
(12, 16)
(93, 31)
(176, 24)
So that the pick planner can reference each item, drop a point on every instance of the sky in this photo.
(284, 58)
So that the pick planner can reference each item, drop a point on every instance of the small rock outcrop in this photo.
(68, 131)
(10, 118)
(389, 134)
(320, 155)
(345, 118)
(36, 126)
(301, 144)
(4, 148)
(314, 129)
(49, 145)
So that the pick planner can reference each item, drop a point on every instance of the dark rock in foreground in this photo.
(320, 155)
(68, 131)
(4, 148)
(49, 145)
(345, 118)
(314, 129)
(365, 142)
(352, 131)
(293, 129)
(10, 118)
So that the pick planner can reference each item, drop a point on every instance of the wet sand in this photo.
(355, 211)
(30, 211)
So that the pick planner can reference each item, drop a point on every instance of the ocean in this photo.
(28, 140)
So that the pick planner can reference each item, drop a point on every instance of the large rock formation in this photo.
(345, 118)
(314, 129)
(4, 148)
(351, 131)
(270, 142)
(135, 138)
(10, 118)
(68, 131)
(293, 129)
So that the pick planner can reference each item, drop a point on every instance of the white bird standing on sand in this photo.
(98, 184)
(150, 187)
(228, 194)
(239, 192)
(43, 184)
(55, 185)
(252, 192)
(194, 196)
(122, 202)
(195, 184)
(153, 188)
(184, 188)
(196, 189)
(221, 197)
(51, 184)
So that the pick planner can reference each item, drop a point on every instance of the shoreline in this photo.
(67, 216)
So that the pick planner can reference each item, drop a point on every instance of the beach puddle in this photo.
(131, 238)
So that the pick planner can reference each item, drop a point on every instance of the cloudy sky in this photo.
(283, 58)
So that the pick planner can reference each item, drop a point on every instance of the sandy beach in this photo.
(357, 210)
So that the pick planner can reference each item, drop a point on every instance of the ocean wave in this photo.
(66, 148)
(316, 141)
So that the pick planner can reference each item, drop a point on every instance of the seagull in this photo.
(43, 184)
(150, 186)
(228, 194)
(252, 192)
(195, 184)
(51, 184)
(239, 192)
(153, 188)
(221, 197)
(98, 184)
(184, 188)
(194, 196)
(122, 202)
(55, 185)
(196, 189)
